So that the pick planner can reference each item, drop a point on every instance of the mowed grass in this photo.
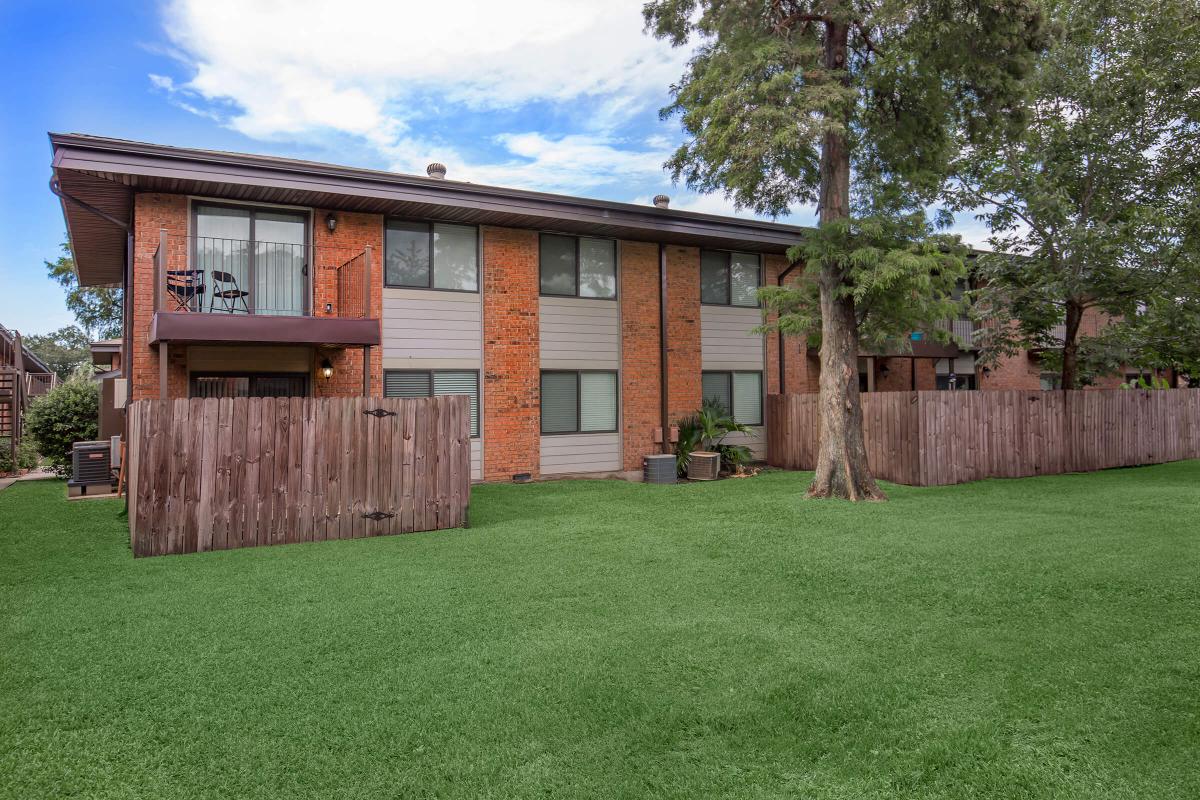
(1006, 639)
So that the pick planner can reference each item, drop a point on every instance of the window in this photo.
(247, 384)
(729, 279)
(579, 402)
(575, 266)
(421, 255)
(432, 383)
(739, 392)
(1050, 381)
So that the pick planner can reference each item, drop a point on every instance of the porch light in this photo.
(326, 368)
(883, 371)
(331, 222)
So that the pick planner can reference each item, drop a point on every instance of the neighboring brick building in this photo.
(251, 275)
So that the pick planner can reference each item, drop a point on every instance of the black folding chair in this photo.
(185, 286)
(225, 288)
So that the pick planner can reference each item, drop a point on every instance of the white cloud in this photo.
(369, 68)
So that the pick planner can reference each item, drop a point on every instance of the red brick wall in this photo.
(150, 213)
(683, 331)
(511, 357)
(1012, 372)
(800, 365)
(900, 374)
(355, 232)
(640, 360)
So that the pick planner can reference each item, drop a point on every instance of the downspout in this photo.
(662, 348)
(782, 360)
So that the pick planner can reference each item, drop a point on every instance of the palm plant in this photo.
(706, 431)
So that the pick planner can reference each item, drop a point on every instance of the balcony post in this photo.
(164, 356)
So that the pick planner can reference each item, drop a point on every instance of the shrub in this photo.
(67, 414)
(26, 455)
(706, 430)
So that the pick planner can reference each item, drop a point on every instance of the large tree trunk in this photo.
(842, 459)
(1070, 354)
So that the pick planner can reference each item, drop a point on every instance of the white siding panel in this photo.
(726, 341)
(424, 324)
(584, 452)
(757, 443)
(476, 459)
(579, 333)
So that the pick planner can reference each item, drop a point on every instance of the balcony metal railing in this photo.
(213, 275)
(963, 331)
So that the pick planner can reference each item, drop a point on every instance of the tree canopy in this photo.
(1094, 200)
(63, 350)
(859, 107)
(96, 309)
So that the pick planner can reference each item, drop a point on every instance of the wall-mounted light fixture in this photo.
(331, 221)
(326, 368)
(329, 308)
(883, 371)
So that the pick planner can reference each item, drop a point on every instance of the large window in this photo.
(431, 383)
(576, 266)
(579, 402)
(730, 279)
(248, 260)
(740, 393)
(421, 255)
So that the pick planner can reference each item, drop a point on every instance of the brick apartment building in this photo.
(580, 328)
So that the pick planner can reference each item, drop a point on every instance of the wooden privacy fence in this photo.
(940, 438)
(212, 474)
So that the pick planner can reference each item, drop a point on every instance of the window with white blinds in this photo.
(739, 393)
(730, 279)
(428, 383)
(579, 402)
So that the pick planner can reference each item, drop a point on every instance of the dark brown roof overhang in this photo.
(106, 173)
(189, 328)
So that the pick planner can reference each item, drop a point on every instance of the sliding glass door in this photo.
(251, 260)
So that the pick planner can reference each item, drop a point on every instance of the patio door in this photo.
(252, 260)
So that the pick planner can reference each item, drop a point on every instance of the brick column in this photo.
(683, 331)
(152, 212)
(354, 234)
(511, 354)
(640, 359)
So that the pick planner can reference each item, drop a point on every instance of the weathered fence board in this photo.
(940, 438)
(214, 474)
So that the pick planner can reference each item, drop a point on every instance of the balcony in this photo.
(963, 331)
(216, 290)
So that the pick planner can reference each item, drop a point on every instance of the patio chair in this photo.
(226, 289)
(185, 286)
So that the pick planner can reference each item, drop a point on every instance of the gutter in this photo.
(662, 348)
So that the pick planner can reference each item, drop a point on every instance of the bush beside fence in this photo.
(941, 438)
(211, 474)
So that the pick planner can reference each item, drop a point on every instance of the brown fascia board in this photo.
(117, 156)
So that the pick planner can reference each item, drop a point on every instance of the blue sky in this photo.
(556, 95)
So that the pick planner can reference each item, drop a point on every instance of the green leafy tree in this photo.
(68, 413)
(1095, 199)
(857, 106)
(96, 309)
(62, 350)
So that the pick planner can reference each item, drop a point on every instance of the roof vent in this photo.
(661, 201)
(436, 170)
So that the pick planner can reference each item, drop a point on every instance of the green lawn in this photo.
(1029, 638)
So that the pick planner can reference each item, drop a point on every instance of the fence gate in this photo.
(220, 473)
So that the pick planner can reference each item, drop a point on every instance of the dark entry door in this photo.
(249, 384)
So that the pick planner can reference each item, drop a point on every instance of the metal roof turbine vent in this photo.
(436, 170)
(661, 201)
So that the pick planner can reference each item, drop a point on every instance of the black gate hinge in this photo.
(378, 515)
(380, 412)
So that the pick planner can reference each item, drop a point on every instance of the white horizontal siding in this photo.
(476, 459)
(757, 442)
(426, 324)
(579, 333)
(582, 452)
(726, 341)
